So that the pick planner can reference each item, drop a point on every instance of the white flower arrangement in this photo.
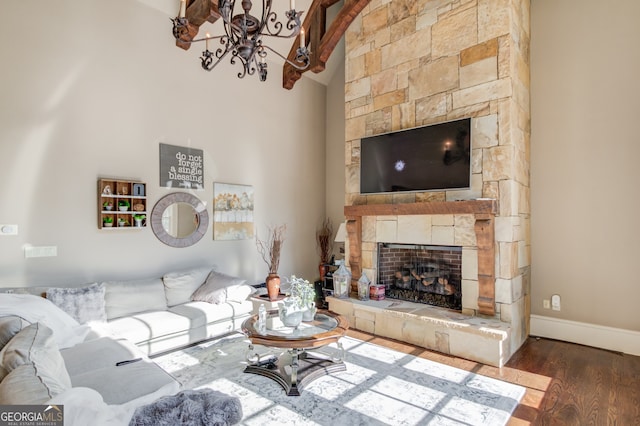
(303, 290)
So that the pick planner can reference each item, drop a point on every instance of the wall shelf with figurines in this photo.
(122, 204)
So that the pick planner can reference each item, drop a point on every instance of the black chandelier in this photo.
(243, 37)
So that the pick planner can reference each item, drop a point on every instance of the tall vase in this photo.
(322, 268)
(273, 286)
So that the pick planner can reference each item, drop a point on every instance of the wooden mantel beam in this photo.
(323, 41)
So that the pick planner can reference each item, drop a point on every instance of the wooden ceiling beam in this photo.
(316, 31)
(198, 12)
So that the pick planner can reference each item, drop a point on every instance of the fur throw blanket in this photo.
(190, 407)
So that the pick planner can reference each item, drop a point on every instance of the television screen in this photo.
(429, 158)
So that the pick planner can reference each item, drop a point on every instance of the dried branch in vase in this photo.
(323, 238)
(269, 249)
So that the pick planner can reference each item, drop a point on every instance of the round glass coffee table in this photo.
(298, 365)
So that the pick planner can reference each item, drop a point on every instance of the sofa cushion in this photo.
(34, 345)
(66, 330)
(215, 288)
(92, 364)
(149, 325)
(179, 286)
(27, 384)
(130, 297)
(84, 304)
(202, 313)
(9, 327)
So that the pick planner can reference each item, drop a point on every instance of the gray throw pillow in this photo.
(84, 304)
(9, 327)
(214, 289)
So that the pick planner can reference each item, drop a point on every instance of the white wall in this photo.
(89, 89)
(585, 64)
(335, 149)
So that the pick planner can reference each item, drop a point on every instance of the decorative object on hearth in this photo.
(323, 240)
(341, 281)
(269, 250)
(363, 287)
(243, 36)
(376, 291)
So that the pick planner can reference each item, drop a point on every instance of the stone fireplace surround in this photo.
(476, 333)
(412, 63)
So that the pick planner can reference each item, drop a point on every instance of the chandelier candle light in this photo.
(243, 36)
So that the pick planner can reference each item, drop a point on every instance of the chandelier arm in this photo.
(303, 53)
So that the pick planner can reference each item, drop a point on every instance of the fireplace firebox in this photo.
(421, 273)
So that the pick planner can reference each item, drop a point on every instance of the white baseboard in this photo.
(614, 339)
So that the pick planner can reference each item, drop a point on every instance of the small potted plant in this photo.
(138, 219)
(305, 295)
(107, 221)
(122, 222)
(107, 205)
(123, 205)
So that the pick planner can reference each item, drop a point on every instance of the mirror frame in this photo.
(179, 197)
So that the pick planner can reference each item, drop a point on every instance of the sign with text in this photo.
(31, 415)
(181, 167)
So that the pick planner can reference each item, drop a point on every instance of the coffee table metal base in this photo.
(295, 369)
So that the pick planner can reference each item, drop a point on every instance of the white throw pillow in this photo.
(179, 286)
(214, 290)
(66, 330)
(84, 304)
(124, 298)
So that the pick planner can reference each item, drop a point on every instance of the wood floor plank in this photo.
(566, 384)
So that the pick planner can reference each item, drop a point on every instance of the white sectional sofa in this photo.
(105, 334)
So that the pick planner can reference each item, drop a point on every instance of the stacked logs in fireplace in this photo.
(427, 282)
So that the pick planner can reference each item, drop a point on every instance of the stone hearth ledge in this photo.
(480, 339)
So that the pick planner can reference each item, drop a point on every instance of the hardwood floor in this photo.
(567, 384)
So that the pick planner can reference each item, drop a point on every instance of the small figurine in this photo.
(107, 190)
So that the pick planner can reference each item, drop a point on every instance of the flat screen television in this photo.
(429, 158)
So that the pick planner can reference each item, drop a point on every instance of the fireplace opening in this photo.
(422, 273)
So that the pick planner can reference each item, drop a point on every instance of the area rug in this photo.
(380, 387)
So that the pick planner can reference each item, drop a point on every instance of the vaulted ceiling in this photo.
(320, 36)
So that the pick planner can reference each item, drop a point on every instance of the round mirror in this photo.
(179, 219)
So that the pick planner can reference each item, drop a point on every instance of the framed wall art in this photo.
(181, 167)
(232, 211)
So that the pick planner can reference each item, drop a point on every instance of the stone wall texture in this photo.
(416, 62)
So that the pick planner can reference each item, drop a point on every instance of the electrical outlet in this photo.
(555, 302)
(546, 303)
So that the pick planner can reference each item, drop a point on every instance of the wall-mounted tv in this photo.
(429, 158)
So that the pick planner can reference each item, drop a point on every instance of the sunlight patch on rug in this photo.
(380, 387)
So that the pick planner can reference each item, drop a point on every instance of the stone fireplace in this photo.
(412, 63)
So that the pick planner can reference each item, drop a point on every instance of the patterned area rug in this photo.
(379, 387)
